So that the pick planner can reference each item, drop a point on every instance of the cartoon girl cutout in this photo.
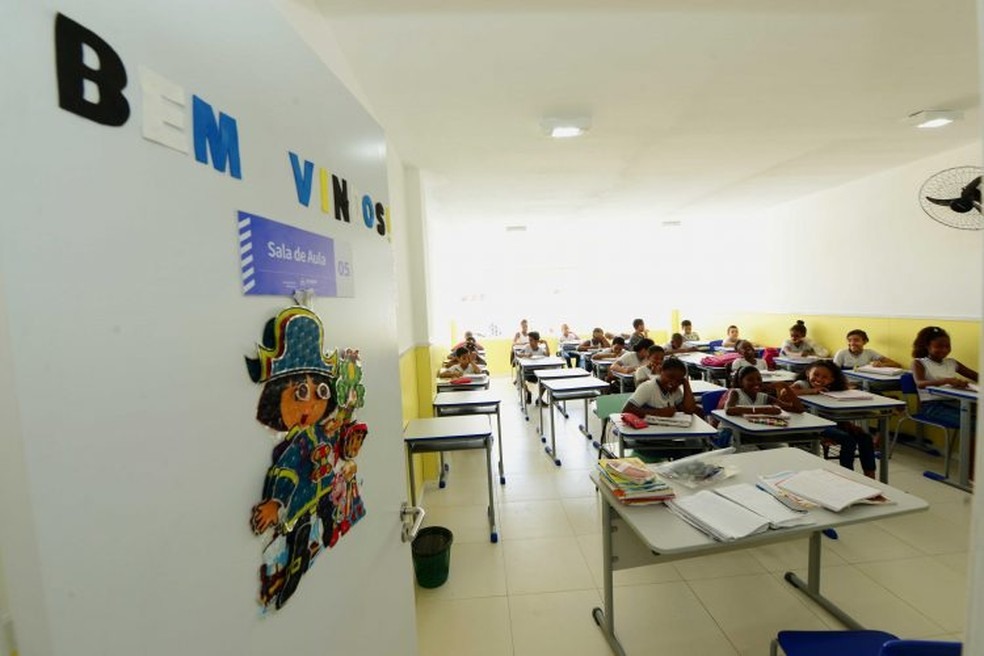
(300, 399)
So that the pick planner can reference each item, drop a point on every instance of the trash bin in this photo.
(431, 551)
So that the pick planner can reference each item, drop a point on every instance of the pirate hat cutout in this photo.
(293, 343)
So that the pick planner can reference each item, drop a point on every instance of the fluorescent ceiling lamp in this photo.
(933, 118)
(563, 128)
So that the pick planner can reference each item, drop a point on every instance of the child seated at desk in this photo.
(856, 355)
(536, 348)
(614, 352)
(932, 366)
(799, 345)
(469, 342)
(664, 395)
(597, 341)
(639, 333)
(652, 366)
(687, 329)
(825, 376)
(676, 345)
(749, 396)
(748, 357)
(569, 341)
(629, 361)
(732, 337)
(464, 363)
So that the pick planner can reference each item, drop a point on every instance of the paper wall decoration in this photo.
(310, 495)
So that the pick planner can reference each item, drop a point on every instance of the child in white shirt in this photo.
(856, 355)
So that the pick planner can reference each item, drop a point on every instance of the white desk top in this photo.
(876, 402)
(574, 372)
(693, 358)
(666, 534)
(575, 384)
(798, 423)
(954, 392)
(778, 376)
(460, 399)
(797, 359)
(697, 428)
(699, 387)
(623, 374)
(458, 426)
(546, 361)
(868, 375)
(476, 382)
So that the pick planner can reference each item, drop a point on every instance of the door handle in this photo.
(412, 517)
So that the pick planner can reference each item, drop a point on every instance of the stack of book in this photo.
(679, 420)
(632, 482)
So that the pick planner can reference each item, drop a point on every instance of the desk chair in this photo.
(605, 405)
(708, 403)
(910, 394)
(857, 643)
(714, 344)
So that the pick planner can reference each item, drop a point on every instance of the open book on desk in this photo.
(679, 419)
(881, 371)
(832, 491)
(719, 517)
(848, 395)
(764, 504)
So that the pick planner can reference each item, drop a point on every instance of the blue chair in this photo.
(910, 393)
(857, 643)
(709, 403)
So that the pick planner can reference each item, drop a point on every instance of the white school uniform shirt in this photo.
(935, 371)
(643, 373)
(847, 360)
(741, 363)
(458, 371)
(650, 394)
(528, 352)
(629, 359)
(806, 347)
(744, 399)
(691, 337)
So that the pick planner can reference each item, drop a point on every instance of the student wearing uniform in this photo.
(652, 366)
(933, 366)
(856, 355)
(799, 344)
(569, 341)
(628, 362)
(535, 348)
(676, 345)
(523, 336)
(664, 395)
(749, 396)
(731, 338)
(748, 358)
(614, 352)
(469, 342)
(687, 329)
(464, 363)
(639, 333)
(597, 341)
(825, 376)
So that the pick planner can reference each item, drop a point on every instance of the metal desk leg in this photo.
(413, 484)
(488, 471)
(498, 434)
(883, 457)
(522, 392)
(584, 427)
(552, 449)
(811, 587)
(441, 481)
(965, 418)
(605, 619)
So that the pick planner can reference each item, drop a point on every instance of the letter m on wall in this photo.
(218, 137)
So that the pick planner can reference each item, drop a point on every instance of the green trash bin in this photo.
(431, 551)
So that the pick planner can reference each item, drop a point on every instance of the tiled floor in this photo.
(532, 593)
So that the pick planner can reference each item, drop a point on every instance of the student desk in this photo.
(528, 365)
(778, 376)
(655, 435)
(569, 389)
(601, 367)
(871, 381)
(708, 372)
(470, 403)
(702, 387)
(795, 362)
(633, 536)
(623, 380)
(877, 407)
(802, 426)
(478, 382)
(584, 358)
(700, 345)
(553, 374)
(967, 398)
(436, 434)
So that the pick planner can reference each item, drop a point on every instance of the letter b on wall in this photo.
(109, 79)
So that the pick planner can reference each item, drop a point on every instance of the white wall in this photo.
(129, 453)
(863, 248)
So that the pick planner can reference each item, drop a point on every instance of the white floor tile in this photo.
(924, 583)
(479, 627)
(556, 623)
(477, 570)
(545, 565)
(522, 520)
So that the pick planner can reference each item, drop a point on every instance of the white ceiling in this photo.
(699, 108)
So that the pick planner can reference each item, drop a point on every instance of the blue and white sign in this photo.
(278, 259)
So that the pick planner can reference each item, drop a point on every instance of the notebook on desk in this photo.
(848, 395)
(832, 491)
(881, 371)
